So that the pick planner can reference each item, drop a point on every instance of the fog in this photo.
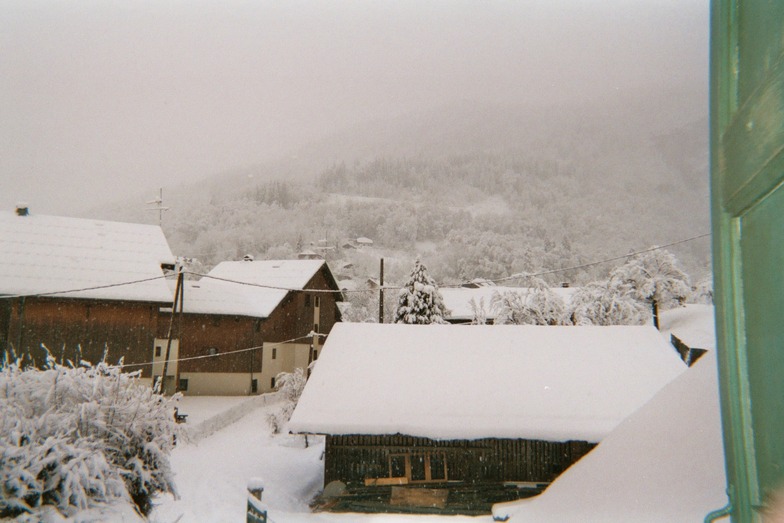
(102, 99)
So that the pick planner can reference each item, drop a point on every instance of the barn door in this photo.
(747, 186)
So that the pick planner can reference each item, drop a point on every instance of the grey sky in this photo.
(105, 98)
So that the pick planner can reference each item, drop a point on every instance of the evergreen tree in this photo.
(419, 301)
(653, 277)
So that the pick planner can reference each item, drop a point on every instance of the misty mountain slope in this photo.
(493, 189)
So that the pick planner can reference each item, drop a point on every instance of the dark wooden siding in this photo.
(354, 458)
(293, 318)
(200, 332)
(82, 329)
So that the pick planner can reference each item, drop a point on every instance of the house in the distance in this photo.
(463, 303)
(247, 321)
(80, 288)
(446, 419)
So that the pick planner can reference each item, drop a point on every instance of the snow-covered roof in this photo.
(691, 323)
(458, 299)
(45, 254)
(664, 463)
(470, 382)
(270, 281)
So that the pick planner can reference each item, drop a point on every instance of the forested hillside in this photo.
(476, 191)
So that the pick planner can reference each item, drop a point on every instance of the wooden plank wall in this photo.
(353, 458)
(127, 329)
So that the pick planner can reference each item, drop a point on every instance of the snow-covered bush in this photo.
(654, 278)
(479, 312)
(289, 386)
(600, 303)
(419, 301)
(537, 305)
(75, 437)
(702, 292)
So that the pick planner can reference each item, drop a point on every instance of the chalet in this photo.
(245, 322)
(462, 301)
(435, 418)
(80, 287)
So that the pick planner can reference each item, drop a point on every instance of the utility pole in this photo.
(179, 294)
(381, 293)
(158, 202)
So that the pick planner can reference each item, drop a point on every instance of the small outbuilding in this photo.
(440, 418)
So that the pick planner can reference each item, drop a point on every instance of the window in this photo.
(419, 467)
(157, 351)
(254, 385)
(307, 300)
(315, 354)
(183, 384)
(274, 353)
(437, 467)
(272, 382)
(397, 466)
(315, 328)
(317, 300)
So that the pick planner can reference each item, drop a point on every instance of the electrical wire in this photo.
(238, 351)
(520, 275)
(83, 289)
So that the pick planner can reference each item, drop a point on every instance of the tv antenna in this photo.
(158, 202)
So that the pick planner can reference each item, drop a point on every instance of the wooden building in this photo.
(80, 288)
(246, 322)
(438, 418)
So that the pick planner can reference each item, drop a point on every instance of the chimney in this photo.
(22, 209)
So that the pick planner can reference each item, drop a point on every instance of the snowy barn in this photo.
(269, 304)
(477, 414)
(80, 287)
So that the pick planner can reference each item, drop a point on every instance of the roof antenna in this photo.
(158, 202)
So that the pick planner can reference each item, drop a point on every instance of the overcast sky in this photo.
(101, 99)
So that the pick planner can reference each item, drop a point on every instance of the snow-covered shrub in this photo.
(479, 312)
(289, 386)
(600, 303)
(702, 292)
(654, 278)
(419, 301)
(537, 305)
(74, 437)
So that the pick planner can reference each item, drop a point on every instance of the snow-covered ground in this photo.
(212, 473)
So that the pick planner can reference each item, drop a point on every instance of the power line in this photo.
(350, 291)
(238, 351)
(83, 289)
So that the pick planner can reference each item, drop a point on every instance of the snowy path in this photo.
(212, 474)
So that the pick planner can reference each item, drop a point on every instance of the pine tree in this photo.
(419, 301)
